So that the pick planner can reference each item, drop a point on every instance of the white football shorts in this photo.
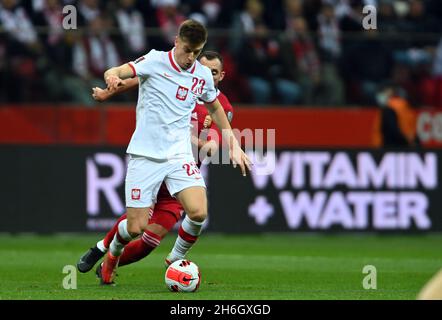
(144, 177)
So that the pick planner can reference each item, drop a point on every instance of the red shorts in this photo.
(167, 211)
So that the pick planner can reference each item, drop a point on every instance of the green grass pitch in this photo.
(270, 266)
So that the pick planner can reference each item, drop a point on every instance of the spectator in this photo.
(349, 13)
(398, 119)
(245, 23)
(330, 49)
(50, 16)
(293, 9)
(92, 55)
(168, 19)
(387, 18)
(431, 85)
(366, 62)
(88, 10)
(131, 29)
(418, 21)
(301, 60)
(205, 11)
(211, 9)
(23, 49)
(259, 60)
(17, 24)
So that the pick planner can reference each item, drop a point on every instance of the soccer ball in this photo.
(183, 276)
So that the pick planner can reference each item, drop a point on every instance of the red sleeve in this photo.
(228, 109)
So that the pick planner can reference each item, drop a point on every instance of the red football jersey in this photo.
(200, 112)
(198, 115)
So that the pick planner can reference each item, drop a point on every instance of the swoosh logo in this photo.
(167, 75)
(188, 279)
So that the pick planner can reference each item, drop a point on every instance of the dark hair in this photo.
(212, 55)
(193, 32)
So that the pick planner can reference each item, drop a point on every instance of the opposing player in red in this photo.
(167, 211)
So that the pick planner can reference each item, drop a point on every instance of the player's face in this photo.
(185, 53)
(216, 68)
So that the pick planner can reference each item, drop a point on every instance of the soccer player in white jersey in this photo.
(168, 210)
(160, 148)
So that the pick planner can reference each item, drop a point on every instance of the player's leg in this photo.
(165, 215)
(94, 254)
(143, 246)
(133, 226)
(194, 201)
(143, 180)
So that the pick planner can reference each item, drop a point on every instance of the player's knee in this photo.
(136, 228)
(197, 214)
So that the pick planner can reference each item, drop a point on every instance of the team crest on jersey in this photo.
(181, 93)
(136, 194)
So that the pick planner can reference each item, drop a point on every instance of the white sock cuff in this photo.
(122, 230)
(100, 246)
(192, 227)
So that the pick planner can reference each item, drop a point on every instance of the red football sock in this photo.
(140, 248)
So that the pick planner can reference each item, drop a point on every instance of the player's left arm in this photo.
(237, 155)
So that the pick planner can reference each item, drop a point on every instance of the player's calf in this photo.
(121, 239)
(188, 234)
(140, 248)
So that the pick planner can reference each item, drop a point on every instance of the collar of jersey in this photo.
(176, 66)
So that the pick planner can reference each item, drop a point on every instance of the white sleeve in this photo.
(143, 66)
(209, 91)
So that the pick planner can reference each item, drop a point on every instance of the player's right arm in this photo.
(114, 76)
(100, 94)
(142, 68)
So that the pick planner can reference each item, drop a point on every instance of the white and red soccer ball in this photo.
(183, 276)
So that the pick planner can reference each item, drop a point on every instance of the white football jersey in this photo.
(166, 98)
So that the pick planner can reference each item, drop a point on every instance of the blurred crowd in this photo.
(285, 52)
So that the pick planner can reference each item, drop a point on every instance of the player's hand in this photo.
(113, 82)
(238, 157)
(99, 94)
(207, 121)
